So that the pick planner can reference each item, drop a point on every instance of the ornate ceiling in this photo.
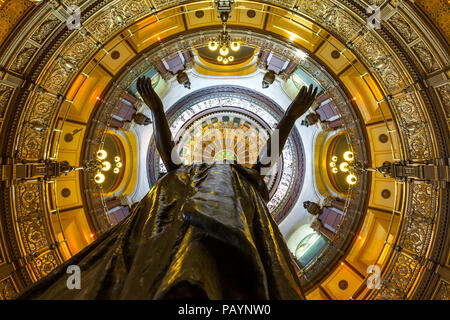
(391, 81)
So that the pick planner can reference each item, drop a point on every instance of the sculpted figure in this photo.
(203, 232)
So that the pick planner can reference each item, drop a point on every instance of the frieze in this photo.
(403, 28)
(43, 264)
(29, 217)
(23, 58)
(8, 290)
(160, 4)
(419, 219)
(398, 281)
(5, 96)
(443, 291)
(41, 109)
(114, 19)
(45, 29)
(444, 95)
(414, 129)
(425, 57)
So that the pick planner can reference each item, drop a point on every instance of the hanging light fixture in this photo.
(224, 8)
(219, 58)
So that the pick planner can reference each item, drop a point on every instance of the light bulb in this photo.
(343, 166)
(213, 45)
(334, 159)
(332, 164)
(116, 158)
(351, 179)
(219, 58)
(106, 165)
(116, 170)
(99, 178)
(225, 61)
(102, 154)
(119, 164)
(235, 46)
(335, 170)
(349, 156)
(224, 51)
(230, 58)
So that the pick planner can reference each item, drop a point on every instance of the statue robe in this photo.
(202, 232)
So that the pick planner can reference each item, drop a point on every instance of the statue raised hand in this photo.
(296, 109)
(301, 103)
(161, 130)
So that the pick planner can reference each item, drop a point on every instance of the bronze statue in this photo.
(202, 232)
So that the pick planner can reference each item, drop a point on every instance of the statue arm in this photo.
(297, 108)
(161, 129)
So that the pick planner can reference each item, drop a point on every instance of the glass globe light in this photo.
(99, 178)
(343, 166)
(213, 45)
(235, 46)
(349, 156)
(351, 179)
(106, 165)
(224, 51)
(102, 154)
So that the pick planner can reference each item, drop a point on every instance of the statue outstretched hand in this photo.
(161, 130)
(298, 107)
(151, 98)
(301, 103)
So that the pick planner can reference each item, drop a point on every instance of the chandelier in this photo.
(224, 42)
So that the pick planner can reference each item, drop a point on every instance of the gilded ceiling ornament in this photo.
(425, 57)
(443, 292)
(5, 97)
(23, 58)
(8, 290)
(403, 28)
(444, 95)
(45, 29)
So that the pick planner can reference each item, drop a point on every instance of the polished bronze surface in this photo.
(203, 231)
